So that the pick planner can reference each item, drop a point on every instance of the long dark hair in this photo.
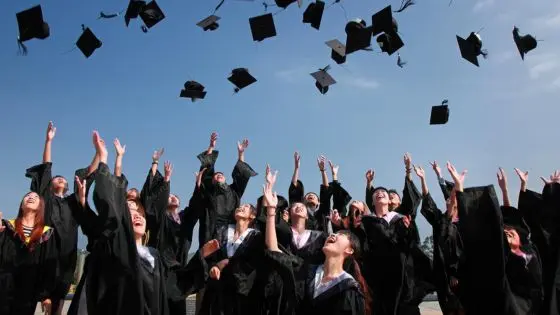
(38, 226)
(353, 268)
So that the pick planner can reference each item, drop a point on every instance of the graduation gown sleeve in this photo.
(240, 175)
(40, 176)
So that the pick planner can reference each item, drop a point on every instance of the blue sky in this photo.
(502, 114)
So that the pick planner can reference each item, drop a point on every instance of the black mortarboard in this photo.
(338, 52)
(471, 48)
(31, 25)
(439, 115)
(133, 10)
(210, 23)
(314, 13)
(241, 78)
(389, 42)
(383, 22)
(88, 42)
(524, 43)
(358, 36)
(285, 3)
(193, 90)
(262, 27)
(323, 79)
(151, 14)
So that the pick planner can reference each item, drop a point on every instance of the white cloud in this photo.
(483, 4)
(361, 83)
(552, 22)
(504, 56)
(542, 64)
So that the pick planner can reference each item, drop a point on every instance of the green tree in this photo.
(428, 246)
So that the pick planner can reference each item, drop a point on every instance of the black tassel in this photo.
(103, 15)
(444, 102)
(144, 28)
(400, 62)
(22, 50)
(83, 27)
(266, 5)
(484, 53)
(219, 5)
(405, 4)
(236, 90)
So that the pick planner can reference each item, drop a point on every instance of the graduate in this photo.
(28, 257)
(329, 289)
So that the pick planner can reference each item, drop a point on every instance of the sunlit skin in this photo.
(338, 245)
(58, 185)
(218, 178)
(357, 211)
(138, 221)
(173, 202)
(298, 210)
(311, 200)
(132, 194)
(513, 239)
(31, 202)
(394, 201)
(244, 212)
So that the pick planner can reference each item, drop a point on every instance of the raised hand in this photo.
(419, 171)
(213, 139)
(436, 168)
(321, 162)
(168, 170)
(335, 217)
(46, 306)
(554, 178)
(118, 148)
(407, 220)
(51, 131)
(2, 227)
(502, 178)
(334, 169)
(407, 161)
(198, 176)
(285, 215)
(210, 248)
(100, 147)
(242, 146)
(215, 273)
(157, 154)
(81, 184)
(523, 176)
(270, 198)
(370, 175)
(270, 176)
(296, 160)
(457, 178)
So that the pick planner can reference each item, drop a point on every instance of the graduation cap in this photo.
(31, 25)
(262, 27)
(385, 24)
(440, 114)
(210, 23)
(338, 51)
(323, 79)
(151, 14)
(133, 10)
(358, 36)
(241, 78)
(285, 3)
(88, 42)
(524, 43)
(193, 90)
(471, 48)
(389, 42)
(314, 13)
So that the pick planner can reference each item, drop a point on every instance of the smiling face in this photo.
(357, 211)
(338, 244)
(59, 184)
(138, 219)
(380, 197)
(311, 200)
(219, 178)
(298, 210)
(173, 201)
(245, 212)
(394, 200)
(31, 202)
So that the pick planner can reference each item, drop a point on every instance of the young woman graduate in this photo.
(318, 207)
(60, 210)
(234, 268)
(220, 200)
(27, 259)
(494, 263)
(123, 275)
(329, 288)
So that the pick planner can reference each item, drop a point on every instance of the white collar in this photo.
(232, 245)
(320, 287)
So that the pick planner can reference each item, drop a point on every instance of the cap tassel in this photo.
(400, 62)
(22, 50)
(405, 4)
(484, 53)
(219, 5)
(144, 28)
(103, 15)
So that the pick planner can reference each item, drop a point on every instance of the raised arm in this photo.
(429, 208)
(445, 186)
(155, 160)
(370, 176)
(242, 172)
(296, 190)
(411, 196)
(295, 176)
(321, 161)
(208, 159)
(41, 174)
(340, 196)
(119, 150)
(51, 132)
(270, 200)
(502, 182)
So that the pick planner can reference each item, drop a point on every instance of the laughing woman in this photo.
(330, 289)
(27, 259)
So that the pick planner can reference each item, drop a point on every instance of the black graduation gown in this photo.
(447, 249)
(541, 214)
(117, 280)
(318, 220)
(234, 293)
(26, 277)
(220, 200)
(386, 266)
(59, 213)
(344, 298)
(485, 272)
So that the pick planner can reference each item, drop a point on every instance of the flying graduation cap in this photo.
(31, 25)
(385, 25)
(151, 14)
(471, 48)
(338, 51)
(358, 36)
(88, 42)
(262, 27)
(524, 43)
(241, 78)
(193, 90)
(440, 114)
(133, 10)
(323, 79)
(314, 14)
(285, 3)
(210, 23)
